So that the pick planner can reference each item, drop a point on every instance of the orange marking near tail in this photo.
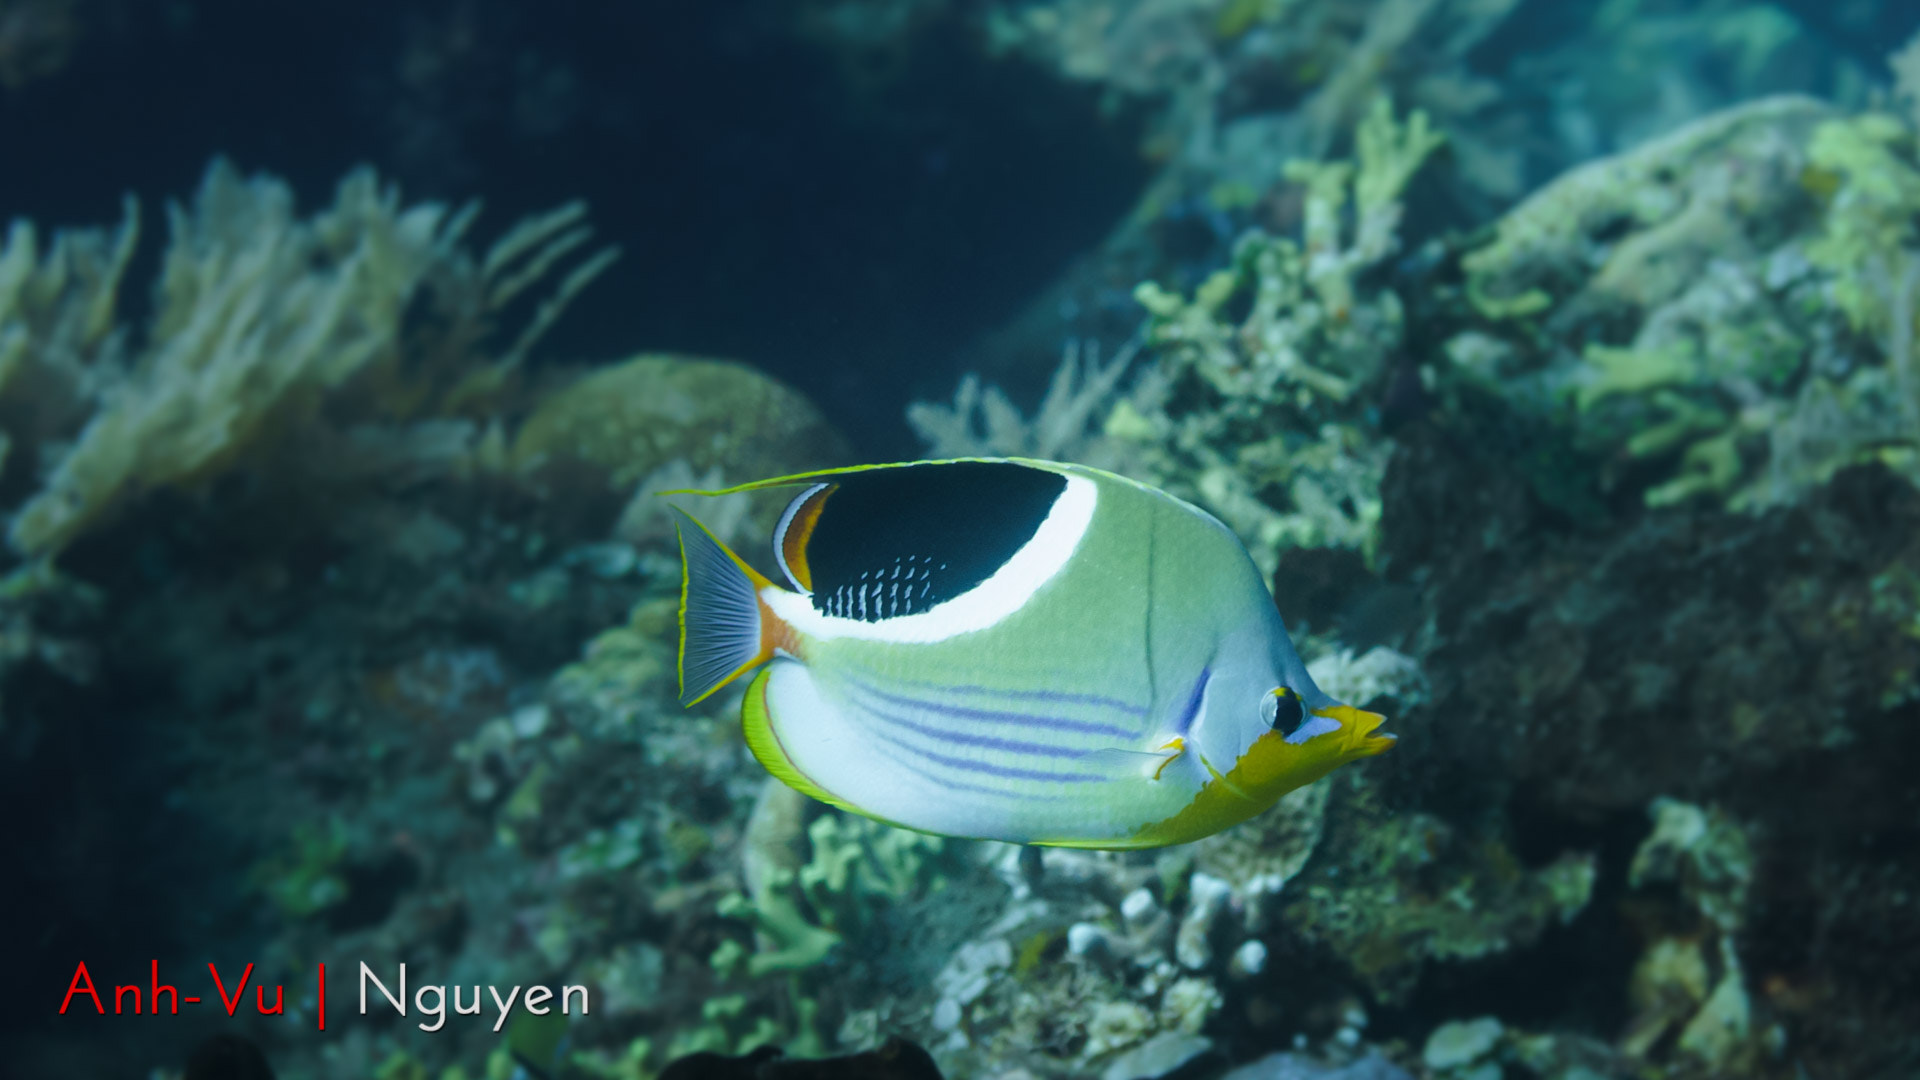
(775, 633)
(793, 543)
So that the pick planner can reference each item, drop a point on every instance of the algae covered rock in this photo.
(1392, 891)
(613, 427)
(1713, 316)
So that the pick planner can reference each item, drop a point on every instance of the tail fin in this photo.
(722, 622)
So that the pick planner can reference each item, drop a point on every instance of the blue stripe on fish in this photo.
(964, 712)
(1192, 710)
(947, 783)
(987, 767)
(990, 742)
(1051, 697)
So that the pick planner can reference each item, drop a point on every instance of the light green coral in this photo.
(858, 868)
(628, 1063)
(1626, 371)
(1866, 166)
(726, 1028)
(787, 939)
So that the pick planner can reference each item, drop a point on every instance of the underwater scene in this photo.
(1000, 539)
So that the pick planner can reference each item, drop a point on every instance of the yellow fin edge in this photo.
(756, 721)
(849, 470)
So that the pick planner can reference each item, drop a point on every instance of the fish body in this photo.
(1013, 650)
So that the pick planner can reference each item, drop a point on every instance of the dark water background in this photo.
(771, 209)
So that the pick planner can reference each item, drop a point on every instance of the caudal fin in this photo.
(722, 622)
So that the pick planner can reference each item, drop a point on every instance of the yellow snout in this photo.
(1357, 738)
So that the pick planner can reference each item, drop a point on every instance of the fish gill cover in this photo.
(1556, 361)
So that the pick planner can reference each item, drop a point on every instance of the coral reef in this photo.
(338, 550)
(1235, 89)
(1722, 314)
(1642, 346)
(1633, 467)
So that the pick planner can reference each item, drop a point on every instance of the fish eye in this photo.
(1283, 710)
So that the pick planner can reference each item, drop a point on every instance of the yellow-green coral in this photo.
(788, 940)
(1866, 167)
(1388, 153)
(629, 1063)
(858, 868)
(1626, 371)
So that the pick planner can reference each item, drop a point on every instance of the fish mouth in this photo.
(1357, 730)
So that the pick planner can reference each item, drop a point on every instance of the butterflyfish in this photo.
(1010, 649)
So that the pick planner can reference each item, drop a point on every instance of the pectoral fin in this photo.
(1142, 760)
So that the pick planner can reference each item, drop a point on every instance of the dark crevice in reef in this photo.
(98, 851)
(848, 223)
(142, 796)
(1571, 978)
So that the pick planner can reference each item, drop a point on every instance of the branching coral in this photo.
(1252, 405)
(1696, 182)
(1283, 340)
(1868, 235)
(258, 316)
(982, 422)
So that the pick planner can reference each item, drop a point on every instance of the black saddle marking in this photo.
(893, 542)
